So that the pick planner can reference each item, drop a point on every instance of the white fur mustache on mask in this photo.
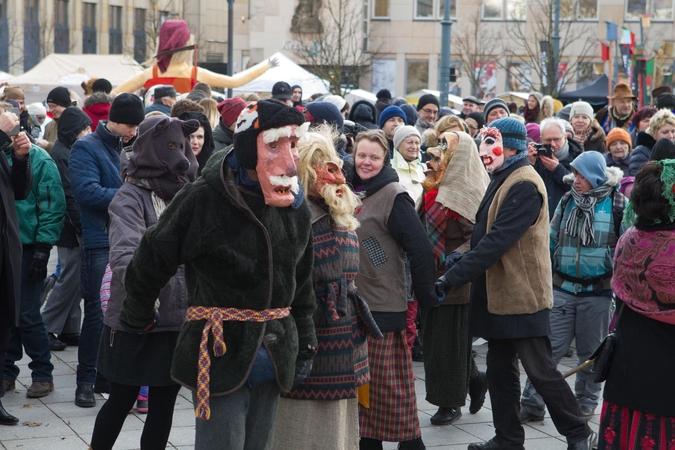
(284, 180)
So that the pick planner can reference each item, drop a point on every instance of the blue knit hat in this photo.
(592, 166)
(326, 112)
(389, 112)
(410, 114)
(514, 133)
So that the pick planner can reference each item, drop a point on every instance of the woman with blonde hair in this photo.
(211, 111)
(323, 412)
(547, 108)
(445, 124)
(661, 125)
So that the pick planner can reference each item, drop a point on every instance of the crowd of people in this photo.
(286, 259)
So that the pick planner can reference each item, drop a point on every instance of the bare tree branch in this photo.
(577, 42)
(475, 42)
(330, 39)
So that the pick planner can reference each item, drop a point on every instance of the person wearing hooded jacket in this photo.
(160, 164)
(223, 133)
(207, 146)
(363, 112)
(97, 107)
(583, 237)
(62, 312)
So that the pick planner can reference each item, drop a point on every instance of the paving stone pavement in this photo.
(55, 423)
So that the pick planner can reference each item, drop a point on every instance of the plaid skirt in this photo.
(627, 429)
(392, 415)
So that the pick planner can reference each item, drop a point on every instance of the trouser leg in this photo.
(61, 311)
(503, 376)
(535, 355)
(563, 324)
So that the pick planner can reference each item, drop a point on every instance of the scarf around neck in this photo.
(510, 161)
(582, 218)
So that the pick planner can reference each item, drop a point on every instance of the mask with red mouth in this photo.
(491, 148)
(328, 174)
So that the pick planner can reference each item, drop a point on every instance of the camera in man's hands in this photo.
(544, 150)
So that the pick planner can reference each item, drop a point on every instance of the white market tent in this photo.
(289, 72)
(70, 70)
(359, 94)
(4, 76)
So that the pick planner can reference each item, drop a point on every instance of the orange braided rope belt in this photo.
(214, 323)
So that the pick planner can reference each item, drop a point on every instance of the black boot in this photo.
(415, 444)
(446, 415)
(6, 418)
(478, 387)
(370, 444)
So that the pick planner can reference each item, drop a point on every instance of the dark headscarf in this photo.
(209, 145)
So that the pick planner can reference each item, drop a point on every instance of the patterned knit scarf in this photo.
(435, 224)
(582, 217)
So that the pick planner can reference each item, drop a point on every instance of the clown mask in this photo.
(329, 174)
(491, 149)
(440, 157)
(277, 164)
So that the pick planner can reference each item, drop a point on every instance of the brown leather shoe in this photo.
(8, 385)
(40, 389)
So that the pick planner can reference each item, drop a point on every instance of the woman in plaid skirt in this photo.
(389, 229)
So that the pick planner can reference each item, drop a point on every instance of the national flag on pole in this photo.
(649, 67)
(605, 51)
(612, 30)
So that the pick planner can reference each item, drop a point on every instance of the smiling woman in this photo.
(389, 229)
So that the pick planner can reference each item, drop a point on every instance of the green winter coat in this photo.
(41, 214)
(239, 253)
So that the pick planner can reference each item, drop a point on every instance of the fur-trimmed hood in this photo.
(97, 98)
(613, 177)
(429, 138)
(597, 133)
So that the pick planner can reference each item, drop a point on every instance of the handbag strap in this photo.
(618, 314)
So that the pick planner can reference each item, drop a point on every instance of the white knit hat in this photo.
(336, 100)
(582, 108)
(37, 109)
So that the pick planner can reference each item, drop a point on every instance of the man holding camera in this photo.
(552, 160)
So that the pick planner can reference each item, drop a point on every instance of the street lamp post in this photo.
(556, 46)
(230, 37)
(444, 82)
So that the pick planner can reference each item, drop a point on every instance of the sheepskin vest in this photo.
(520, 282)
(381, 277)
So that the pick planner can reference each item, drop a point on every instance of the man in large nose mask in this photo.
(243, 232)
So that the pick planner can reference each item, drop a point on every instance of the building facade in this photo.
(496, 46)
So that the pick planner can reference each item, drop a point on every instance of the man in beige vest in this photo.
(511, 293)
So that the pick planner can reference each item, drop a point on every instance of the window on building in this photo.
(115, 33)
(453, 9)
(579, 9)
(4, 37)
(380, 9)
(588, 72)
(140, 45)
(659, 9)
(417, 75)
(424, 9)
(89, 28)
(504, 9)
(31, 35)
(61, 30)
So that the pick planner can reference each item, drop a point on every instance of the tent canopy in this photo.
(595, 93)
(4, 76)
(519, 98)
(289, 72)
(70, 70)
(413, 97)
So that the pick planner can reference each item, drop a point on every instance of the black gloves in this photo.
(38, 266)
(452, 259)
(441, 287)
(303, 365)
(141, 330)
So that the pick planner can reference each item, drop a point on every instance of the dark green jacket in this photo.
(239, 253)
(41, 213)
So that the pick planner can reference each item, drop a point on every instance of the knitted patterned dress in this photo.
(323, 411)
